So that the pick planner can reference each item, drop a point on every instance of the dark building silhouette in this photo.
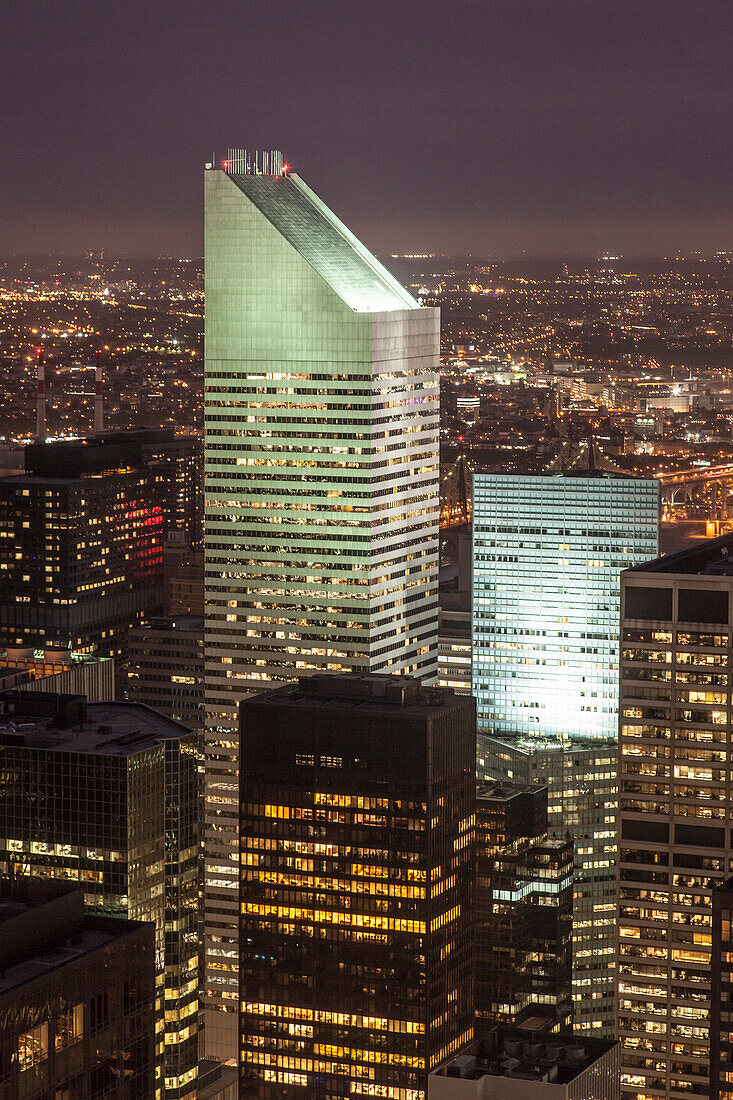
(77, 997)
(524, 910)
(357, 802)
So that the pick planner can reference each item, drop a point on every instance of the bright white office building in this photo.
(548, 551)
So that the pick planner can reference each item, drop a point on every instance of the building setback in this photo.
(106, 795)
(357, 802)
(582, 783)
(321, 524)
(77, 997)
(675, 791)
(521, 1064)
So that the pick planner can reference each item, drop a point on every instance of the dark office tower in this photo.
(721, 995)
(77, 998)
(675, 790)
(524, 910)
(81, 538)
(105, 795)
(357, 804)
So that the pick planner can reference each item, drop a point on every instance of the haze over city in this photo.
(555, 127)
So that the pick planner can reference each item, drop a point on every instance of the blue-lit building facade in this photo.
(548, 551)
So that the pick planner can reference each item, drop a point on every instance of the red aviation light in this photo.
(225, 164)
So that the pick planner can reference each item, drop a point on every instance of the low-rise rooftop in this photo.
(362, 690)
(530, 1056)
(711, 556)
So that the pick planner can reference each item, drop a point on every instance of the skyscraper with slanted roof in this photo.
(321, 483)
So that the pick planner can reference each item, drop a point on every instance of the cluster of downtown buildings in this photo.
(343, 879)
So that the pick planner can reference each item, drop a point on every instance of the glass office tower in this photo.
(548, 554)
(321, 524)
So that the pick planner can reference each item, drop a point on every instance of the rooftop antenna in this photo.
(98, 396)
(260, 162)
(40, 397)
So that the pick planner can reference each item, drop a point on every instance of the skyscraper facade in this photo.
(548, 552)
(582, 783)
(721, 994)
(77, 997)
(675, 791)
(357, 812)
(321, 524)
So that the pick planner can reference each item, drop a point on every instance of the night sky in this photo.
(559, 127)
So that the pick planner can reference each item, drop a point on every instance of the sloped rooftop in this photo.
(358, 278)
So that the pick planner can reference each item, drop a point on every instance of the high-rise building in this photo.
(106, 795)
(582, 782)
(81, 538)
(357, 803)
(77, 997)
(321, 483)
(675, 790)
(548, 553)
(524, 910)
(165, 668)
(721, 994)
(511, 1063)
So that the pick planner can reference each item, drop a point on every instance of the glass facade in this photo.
(76, 1002)
(321, 525)
(524, 911)
(356, 933)
(548, 551)
(121, 819)
(582, 782)
(547, 554)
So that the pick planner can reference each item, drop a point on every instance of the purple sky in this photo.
(562, 127)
